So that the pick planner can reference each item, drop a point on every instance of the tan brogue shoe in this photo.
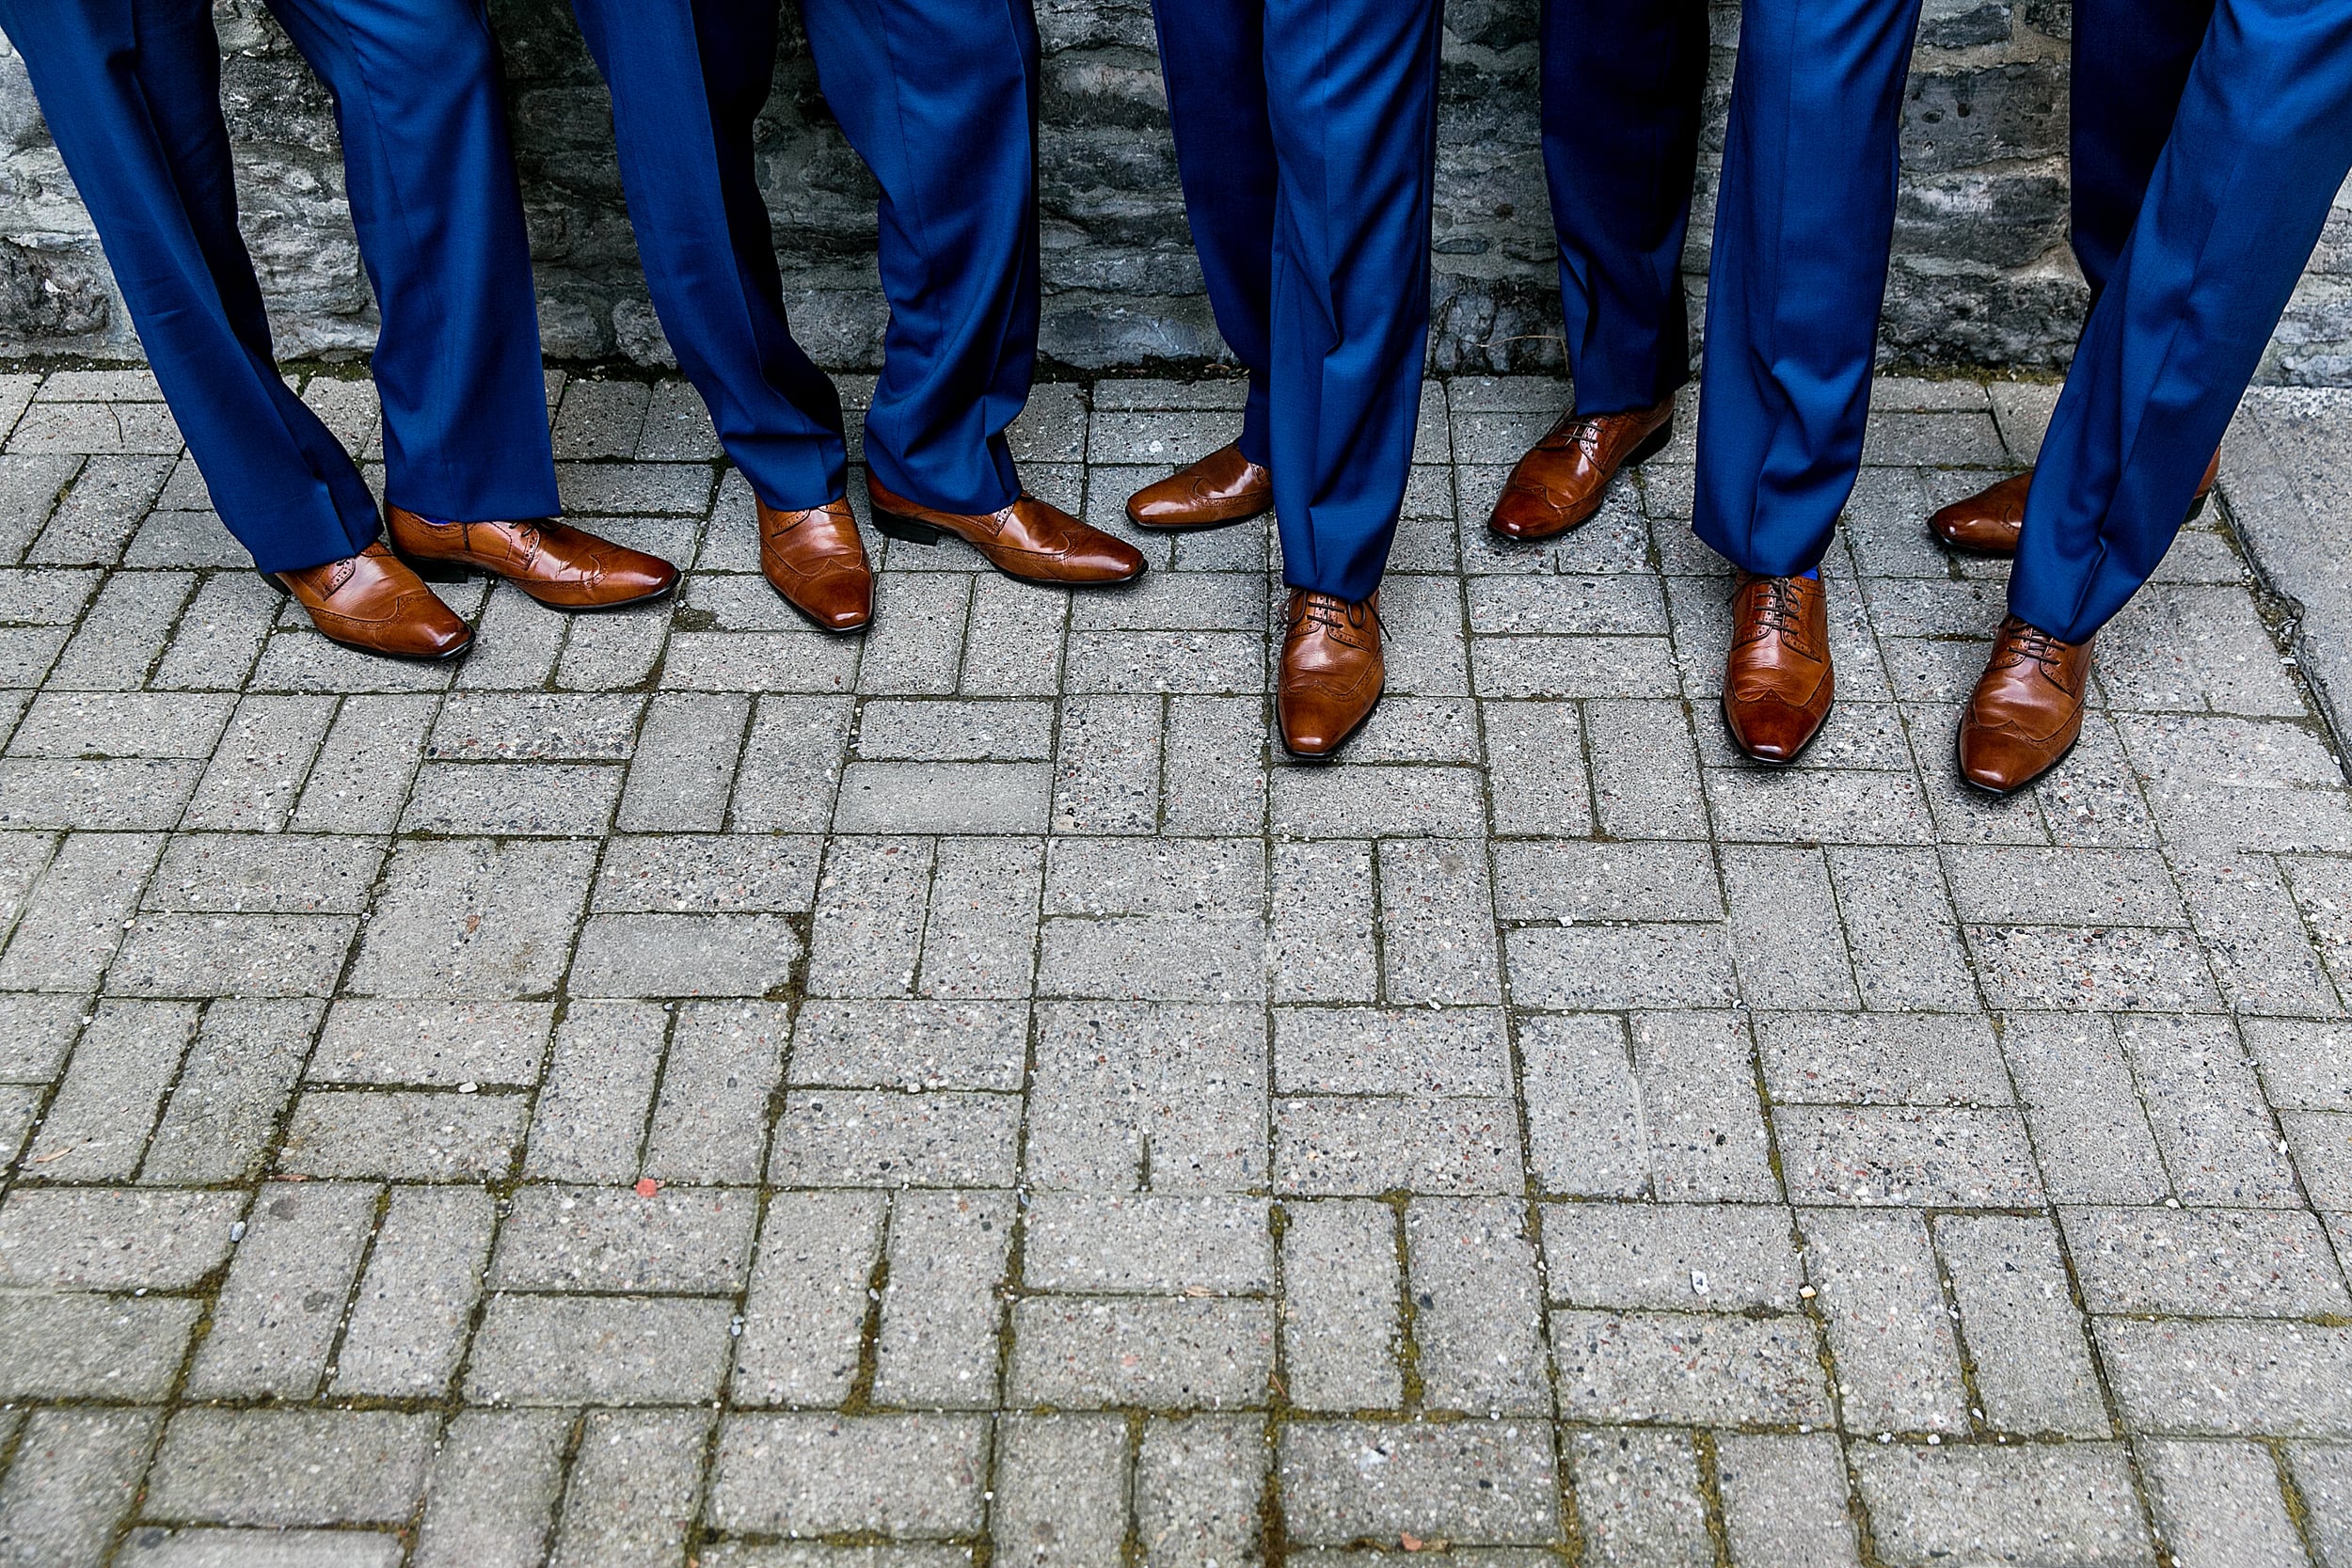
(1029, 539)
(1988, 522)
(2027, 713)
(1332, 672)
(1223, 488)
(1559, 482)
(816, 560)
(1778, 684)
(372, 601)
(560, 566)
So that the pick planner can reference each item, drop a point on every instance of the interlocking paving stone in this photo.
(919, 1476)
(2026, 1339)
(365, 1466)
(1061, 1489)
(678, 1081)
(1467, 1481)
(1637, 1502)
(2064, 1505)
(76, 1475)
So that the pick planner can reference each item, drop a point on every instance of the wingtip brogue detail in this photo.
(1332, 672)
(1221, 488)
(1778, 682)
(374, 602)
(1991, 521)
(1032, 540)
(2027, 712)
(1561, 481)
(560, 566)
(816, 562)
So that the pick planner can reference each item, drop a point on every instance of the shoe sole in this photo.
(2056, 763)
(912, 531)
(1723, 710)
(1651, 446)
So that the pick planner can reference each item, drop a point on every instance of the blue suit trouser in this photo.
(1805, 220)
(131, 90)
(2213, 137)
(2235, 203)
(1622, 86)
(940, 97)
(1305, 139)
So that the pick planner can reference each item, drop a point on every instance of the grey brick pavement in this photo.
(679, 1089)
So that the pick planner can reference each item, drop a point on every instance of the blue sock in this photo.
(1813, 576)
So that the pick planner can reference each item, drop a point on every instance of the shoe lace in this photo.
(1326, 611)
(2030, 642)
(1574, 430)
(1780, 610)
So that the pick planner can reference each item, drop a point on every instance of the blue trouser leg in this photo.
(1803, 225)
(1348, 95)
(940, 97)
(2131, 64)
(131, 90)
(431, 176)
(1352, 87)
(1212, 58)
(1621, 107)
(2260, 144)
(688, 78)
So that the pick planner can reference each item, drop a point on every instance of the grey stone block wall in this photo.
(1982, 276)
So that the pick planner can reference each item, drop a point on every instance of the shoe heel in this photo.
(907, 529)
(1658, 442)
(2197, 507)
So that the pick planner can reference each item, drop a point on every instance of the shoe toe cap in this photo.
(2000, 761)
(1770, 729)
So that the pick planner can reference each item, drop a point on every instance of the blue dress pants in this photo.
(1305, 138)
(131, 92)
(2235, 201)
(1622, 84)
(1805, 220)
(940, 97)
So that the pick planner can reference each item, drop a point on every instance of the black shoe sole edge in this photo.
(1652, 443)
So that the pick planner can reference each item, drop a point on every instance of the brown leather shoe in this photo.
(560, 566)
(372, 602)
(1223, 488)
(1029, 539)
(816, 560)
(2027, 713)
(1778, 684)
(1332, 672)
(1559, 482)
(1988, 522)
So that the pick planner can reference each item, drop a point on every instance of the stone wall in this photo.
(1982, 274)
